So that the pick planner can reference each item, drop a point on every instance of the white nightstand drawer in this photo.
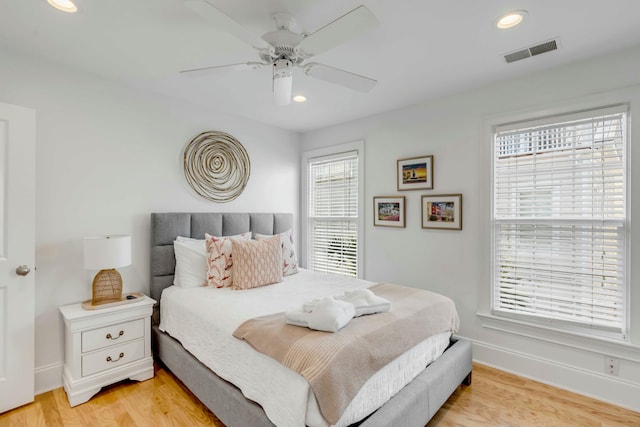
(112, 335)
(112, 357)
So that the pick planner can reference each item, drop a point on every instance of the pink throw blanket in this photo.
(337, 365)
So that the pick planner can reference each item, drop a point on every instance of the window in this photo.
(559, 221)
(333, 213)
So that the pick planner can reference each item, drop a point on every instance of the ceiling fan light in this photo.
(282, 81)
(282, 90)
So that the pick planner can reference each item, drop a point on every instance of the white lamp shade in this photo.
(105, 252)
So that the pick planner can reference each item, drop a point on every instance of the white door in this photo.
(17, 254)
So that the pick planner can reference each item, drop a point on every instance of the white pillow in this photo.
(191, 262)
(289, 259)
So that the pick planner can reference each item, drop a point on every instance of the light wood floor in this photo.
(495, 398)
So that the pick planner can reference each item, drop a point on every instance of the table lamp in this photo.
(106, 253)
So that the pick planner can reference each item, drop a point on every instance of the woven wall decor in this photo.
(216, 166)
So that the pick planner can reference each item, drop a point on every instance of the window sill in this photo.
(611, 347)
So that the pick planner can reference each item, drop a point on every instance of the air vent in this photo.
(547, 46)
(543, 47)
(517, 56)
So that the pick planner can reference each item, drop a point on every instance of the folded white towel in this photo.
(328, 315)
(365, 302)
(308, 306)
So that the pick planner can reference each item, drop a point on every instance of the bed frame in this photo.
(414, 405)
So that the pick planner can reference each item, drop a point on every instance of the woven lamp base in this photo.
(106, 287)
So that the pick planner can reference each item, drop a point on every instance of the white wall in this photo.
(108, 156)
(455, 263)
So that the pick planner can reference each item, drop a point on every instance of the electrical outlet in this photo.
(611, 365)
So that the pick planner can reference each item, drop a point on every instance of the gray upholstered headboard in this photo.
(165, 227)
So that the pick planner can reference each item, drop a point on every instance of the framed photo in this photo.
(389, 211)
(415, 173)
(443, 211)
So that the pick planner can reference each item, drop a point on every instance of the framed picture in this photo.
(443, 211)
(415, 173)
(389, 211)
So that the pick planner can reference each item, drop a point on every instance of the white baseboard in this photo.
(48, 377)
(614, 390)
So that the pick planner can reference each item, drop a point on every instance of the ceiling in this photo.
(421, 49)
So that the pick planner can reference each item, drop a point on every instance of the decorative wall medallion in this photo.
(216, 166)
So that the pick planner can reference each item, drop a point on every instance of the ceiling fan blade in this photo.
(221, 20)
(339, 77)
(207, 71)
(359, 21)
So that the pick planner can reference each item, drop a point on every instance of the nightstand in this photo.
(105, 346)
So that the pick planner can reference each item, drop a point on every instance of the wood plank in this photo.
(495, 398)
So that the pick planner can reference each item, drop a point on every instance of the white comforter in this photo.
(204, 318)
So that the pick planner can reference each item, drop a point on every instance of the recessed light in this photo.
(299, 98)
(511, 19)
(64, 5)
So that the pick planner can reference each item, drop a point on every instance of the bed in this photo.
(413, 405)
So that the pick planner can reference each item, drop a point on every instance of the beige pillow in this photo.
(256, 262)
(220, 259)
(289, 259)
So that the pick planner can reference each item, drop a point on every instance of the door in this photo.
(17, 254)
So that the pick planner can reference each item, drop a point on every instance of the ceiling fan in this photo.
(284, 49)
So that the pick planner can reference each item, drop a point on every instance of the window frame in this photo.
(547, 331)
(331, 151)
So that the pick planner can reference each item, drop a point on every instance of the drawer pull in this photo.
(109, 359)
(109, 337)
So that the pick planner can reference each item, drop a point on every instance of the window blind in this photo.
(559, 220)
(333, 214)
